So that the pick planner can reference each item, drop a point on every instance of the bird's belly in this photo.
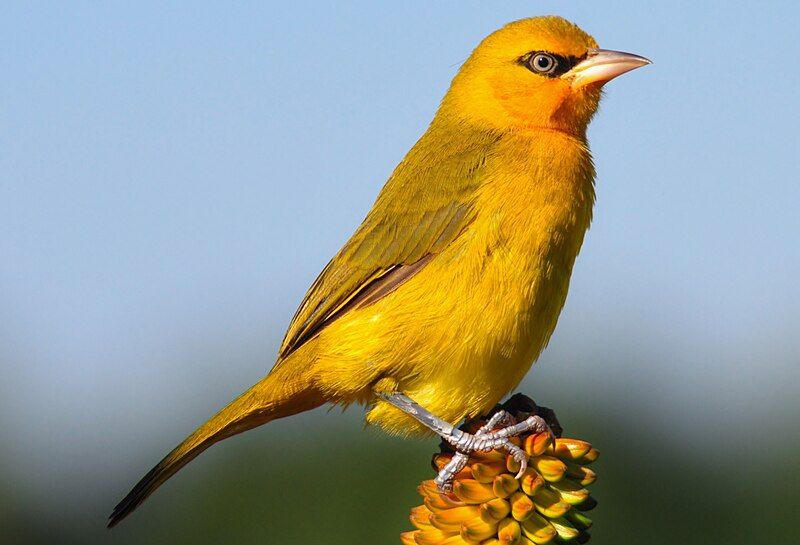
(468, 335)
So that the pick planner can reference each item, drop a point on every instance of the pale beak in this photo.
(602, 65)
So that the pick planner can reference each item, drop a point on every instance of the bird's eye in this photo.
(543, 63)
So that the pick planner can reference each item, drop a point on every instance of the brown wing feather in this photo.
(373, 291)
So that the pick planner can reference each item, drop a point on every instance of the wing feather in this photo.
(424, 206)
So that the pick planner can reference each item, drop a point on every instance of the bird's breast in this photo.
(534, 210)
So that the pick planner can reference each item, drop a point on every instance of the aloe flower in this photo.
(489, 506)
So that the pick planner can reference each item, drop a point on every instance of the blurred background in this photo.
(173, 177)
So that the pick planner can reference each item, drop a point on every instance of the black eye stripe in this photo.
(563, 64)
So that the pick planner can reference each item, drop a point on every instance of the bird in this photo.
(445, 295)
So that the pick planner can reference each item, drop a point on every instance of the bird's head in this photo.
(537, 73)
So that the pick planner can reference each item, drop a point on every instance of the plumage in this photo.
(409, 220)
(452, 285)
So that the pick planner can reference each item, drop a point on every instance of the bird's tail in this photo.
(275, 396)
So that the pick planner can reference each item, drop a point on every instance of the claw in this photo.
(519, 455)
(497, 420)
(486, 439)
(444, 480)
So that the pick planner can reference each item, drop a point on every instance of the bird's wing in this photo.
(424, 206)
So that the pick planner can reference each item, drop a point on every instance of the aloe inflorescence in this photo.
(489, 506)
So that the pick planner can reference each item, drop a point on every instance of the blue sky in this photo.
(172, 178)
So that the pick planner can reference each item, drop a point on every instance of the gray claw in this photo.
(488, 438)
(444, 480)
(519, 455)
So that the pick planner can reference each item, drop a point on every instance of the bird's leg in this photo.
(487, 438)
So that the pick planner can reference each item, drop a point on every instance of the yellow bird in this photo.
(445, 295)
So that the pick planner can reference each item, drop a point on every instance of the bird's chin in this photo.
(576, 111)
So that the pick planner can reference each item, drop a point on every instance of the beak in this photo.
(603, 65)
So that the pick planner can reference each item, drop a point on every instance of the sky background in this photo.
(173, 177)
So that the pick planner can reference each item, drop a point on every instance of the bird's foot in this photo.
(495, 434)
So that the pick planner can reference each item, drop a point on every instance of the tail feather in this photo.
(272, 398)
